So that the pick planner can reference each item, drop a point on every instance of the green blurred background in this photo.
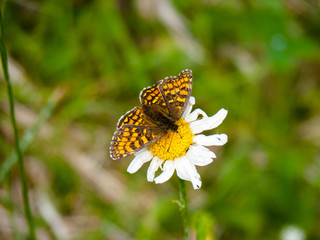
(77, 66)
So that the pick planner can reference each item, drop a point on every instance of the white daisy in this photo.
(184, 149)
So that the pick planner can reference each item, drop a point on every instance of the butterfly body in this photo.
(160, 120)
(161, 106)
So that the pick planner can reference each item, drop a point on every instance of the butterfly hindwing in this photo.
(129, 139)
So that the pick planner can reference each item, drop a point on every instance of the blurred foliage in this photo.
(83, 64)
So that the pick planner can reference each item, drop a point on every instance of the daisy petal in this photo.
(196, 182)
(153, 167)
(142, 157)
(187, 168)
(199, 155)
(188, 109)
(195, 114)
(181, 170)
(192, 100)
(168, 170)
(212, 140)
(209, 122)
(194, 175)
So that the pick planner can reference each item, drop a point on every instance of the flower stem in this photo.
(183, 207)
(24, 187)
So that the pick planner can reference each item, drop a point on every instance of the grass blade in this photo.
(24, 186)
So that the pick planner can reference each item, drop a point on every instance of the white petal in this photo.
(195, 114)
(199, 155)
(168, 170)
(193, 174)
(180, 168)
(187, 171)
(196, 182)
(154, 165)
(192, 100)
(188, 109)
(209, 122)
(212, 140)
(142, 157)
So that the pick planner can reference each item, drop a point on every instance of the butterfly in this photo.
(161, 106)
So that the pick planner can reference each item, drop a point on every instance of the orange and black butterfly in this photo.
(161, 106)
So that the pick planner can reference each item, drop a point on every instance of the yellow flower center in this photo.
(173, 144)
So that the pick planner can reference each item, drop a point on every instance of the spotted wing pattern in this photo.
(133, 117)
(176, 92)
(152, 102)
(129, 139)
(133, 133)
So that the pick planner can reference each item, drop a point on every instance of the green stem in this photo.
(183, 207)
(24, 187)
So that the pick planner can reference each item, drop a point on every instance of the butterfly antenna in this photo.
(169, 145)
(179, 134)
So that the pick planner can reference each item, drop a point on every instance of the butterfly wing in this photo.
(129, 139)
(176, 92)
(133, 133)
(153, 105)
(133, 117)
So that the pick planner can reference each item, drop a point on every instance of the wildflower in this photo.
(184, 149)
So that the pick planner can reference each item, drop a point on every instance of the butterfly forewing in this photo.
(133, 117)
(153, 104)
(176, 92)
